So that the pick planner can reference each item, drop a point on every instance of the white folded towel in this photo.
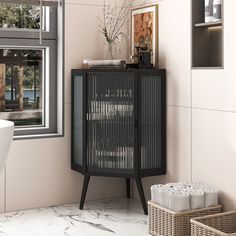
(155, 193)
(197, 198)
(211, 196)
(179, 201)
(164, 197)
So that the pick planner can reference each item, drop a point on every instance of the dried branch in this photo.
(114, 20)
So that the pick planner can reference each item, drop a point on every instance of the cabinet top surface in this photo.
(120, 70)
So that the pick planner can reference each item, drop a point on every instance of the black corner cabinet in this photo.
(119, 125)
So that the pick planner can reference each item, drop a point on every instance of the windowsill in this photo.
(38, 136)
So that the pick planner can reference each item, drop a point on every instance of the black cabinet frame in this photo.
(80, 139)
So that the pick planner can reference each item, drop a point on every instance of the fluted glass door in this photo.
(110, 122)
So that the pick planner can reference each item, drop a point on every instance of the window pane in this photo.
(18, 16)
(21, 86)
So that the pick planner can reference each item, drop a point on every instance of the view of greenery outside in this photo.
(19, 16)
(31, 59)
(23, 67)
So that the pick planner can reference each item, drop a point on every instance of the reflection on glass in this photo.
(21, 90)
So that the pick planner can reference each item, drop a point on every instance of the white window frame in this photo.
(54, 74)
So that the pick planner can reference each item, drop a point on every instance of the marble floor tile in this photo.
(119, 216)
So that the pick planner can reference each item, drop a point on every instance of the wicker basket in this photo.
(214, 225)
(164, 222)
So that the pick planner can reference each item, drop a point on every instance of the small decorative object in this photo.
(113, 25)
(163, 221)
(221, 224)
(217, 10)
(208, 10)
(144, 58)
(144, 32)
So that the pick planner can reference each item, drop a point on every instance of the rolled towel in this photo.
(155, 193)
(164, 197)
(202, 186)
(197, 186)
(197, 198)
(182, 188)
(190, 184)
(179, 201)
(172, 185)
(211, 196)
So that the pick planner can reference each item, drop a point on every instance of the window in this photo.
(23, 96)
(30, 69)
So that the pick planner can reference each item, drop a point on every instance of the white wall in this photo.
(201, 125)
(38, 171)
(175, 57)
(214, 118)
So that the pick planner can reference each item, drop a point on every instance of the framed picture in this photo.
(145, 31)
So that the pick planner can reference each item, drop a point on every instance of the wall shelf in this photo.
(207, 39)
(208, 68)
(210, 24)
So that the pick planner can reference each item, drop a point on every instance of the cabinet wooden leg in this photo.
(128, 187)
(141, 194)
(84, 191)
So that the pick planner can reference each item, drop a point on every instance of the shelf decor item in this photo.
(208, 10)
(118, 125)
(144, 31)
(113, 25)
(222, 224)
(217, 10)
(164, 222)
